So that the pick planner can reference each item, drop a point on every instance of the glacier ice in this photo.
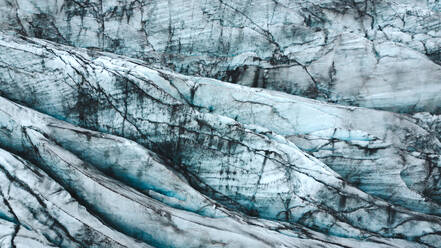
(362, 53)
(220, 123)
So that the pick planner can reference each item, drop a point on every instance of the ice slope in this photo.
(377, 54)
(61, 200)
(257, 172)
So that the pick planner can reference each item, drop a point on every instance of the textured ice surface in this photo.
(246, 167)
(149, 148)
(380, 54)
(126, 210)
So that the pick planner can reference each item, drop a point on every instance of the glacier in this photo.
(262, 43)
(220, 123)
